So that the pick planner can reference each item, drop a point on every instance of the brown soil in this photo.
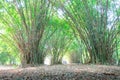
(62, 72)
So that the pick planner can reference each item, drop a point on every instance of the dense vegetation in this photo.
(81, 31)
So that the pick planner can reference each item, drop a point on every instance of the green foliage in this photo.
(33, 29)
(25, 22)
(90, 20)
(61, 39)
(8, 54)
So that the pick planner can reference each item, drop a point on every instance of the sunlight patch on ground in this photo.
(2, 67)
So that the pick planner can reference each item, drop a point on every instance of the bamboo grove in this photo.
(88, 28)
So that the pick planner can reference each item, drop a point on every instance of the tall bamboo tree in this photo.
(59, 43)
(25, 21)
(90, 19)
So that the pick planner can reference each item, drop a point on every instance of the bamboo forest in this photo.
(59, 39)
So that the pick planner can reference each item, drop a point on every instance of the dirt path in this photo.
(62, 72)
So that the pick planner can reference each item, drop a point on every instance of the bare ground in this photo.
(62, 72)
(4, 67)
